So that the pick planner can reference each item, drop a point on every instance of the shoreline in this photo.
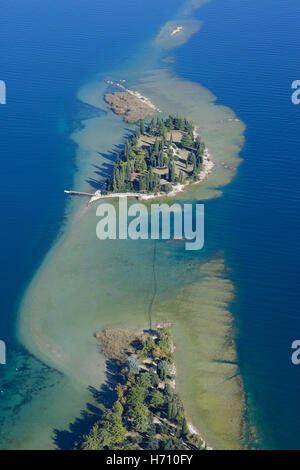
(192, 428)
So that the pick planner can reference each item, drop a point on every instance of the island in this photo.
(147, 413)
(129, 105)
(159, 159)
(176, 30)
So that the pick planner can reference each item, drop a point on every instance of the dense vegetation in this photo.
(136, 168)
(147, 413)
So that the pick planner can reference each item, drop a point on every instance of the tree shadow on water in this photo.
(111, 156)
(101, 398)
(67, 439)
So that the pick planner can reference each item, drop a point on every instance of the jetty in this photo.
(98, 195)
(79, 193)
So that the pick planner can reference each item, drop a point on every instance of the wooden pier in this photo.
(79, 193)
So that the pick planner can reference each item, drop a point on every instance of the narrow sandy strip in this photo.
(137, 94)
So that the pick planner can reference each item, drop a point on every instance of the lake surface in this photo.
(246, 54)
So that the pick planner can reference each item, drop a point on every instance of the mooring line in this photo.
(154, 286)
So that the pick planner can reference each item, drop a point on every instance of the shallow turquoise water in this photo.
(245, 53)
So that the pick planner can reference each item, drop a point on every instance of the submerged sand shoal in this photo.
(208, 376)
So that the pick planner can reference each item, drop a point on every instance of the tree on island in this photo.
(192, 160)
(157, 398)
(151, 127)
(142, 127)
(187, 141)
(163, 369)
(184, 429)
(154, 378)
(172, 410)
(169, 123)
(141, 424)
(133, 364)
(118, 409)
(171, 172)
(152, 443)
(181, 177)
(117, 430)
(92, 441)
(168, 188)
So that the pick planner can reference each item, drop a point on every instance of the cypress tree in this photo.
(170, 410)
(142, 126)
(171, 172)
(184, 429)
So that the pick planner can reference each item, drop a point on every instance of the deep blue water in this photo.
(247, 54)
